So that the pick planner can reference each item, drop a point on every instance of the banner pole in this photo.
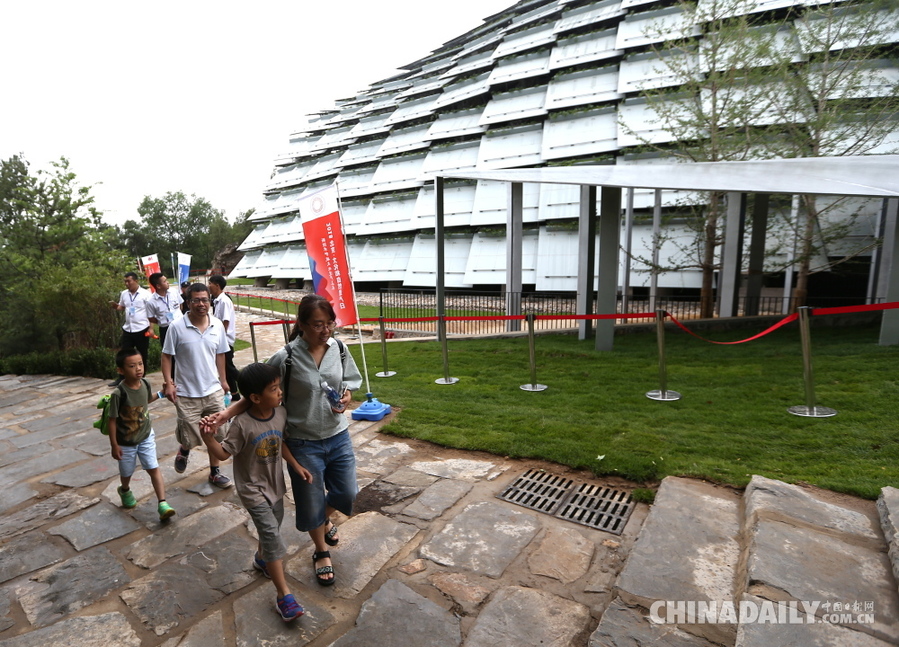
(663, 394)
(532, 349)
(441, 335)
(809, 410)
(253, 341)
(386, 372)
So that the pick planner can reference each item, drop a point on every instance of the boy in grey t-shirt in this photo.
(255, 441)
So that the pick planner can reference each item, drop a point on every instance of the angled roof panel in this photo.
(333, 138)
(254, 238)
(246, 263)
(382, 261)
(457, 124)
(356, 181)
(589, 15)
(463, 91)
(579, 134)
(294, 264)
(428, 86)
(559, 201)
(474, 63)
(511, 147)
(289, 175)
(525, 41)
(283, 230)
(520, 67)
(353, 213)
(324, 166)
(398, 173)
(581, 88)
(640, 125)
(651, 27)
(278, 204)
(648, 72)
(372, 125)
(491, 203)
(540, 14)
(411, 110)
(584, 49)
(422, 267)
(458, 204)
(403, 140)
(444, 159)
(268, 262)
(361, 153)
(510, 106)
(487, 259)
(384, 216)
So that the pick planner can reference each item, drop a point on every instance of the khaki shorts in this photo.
(190, 411)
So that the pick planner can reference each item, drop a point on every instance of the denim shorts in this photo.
(267, 519)
(333, 466)
(144, 450)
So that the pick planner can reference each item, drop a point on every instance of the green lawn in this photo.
(732, 421)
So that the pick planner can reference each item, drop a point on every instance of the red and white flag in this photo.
(151, 265)
(326, 248)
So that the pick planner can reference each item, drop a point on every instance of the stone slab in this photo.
(624, 626)
(93, 442)
(22, 454)
(43, 463)
(204, 487)
(257, 622)
(888, 510)
(377, 456)
(14, 495)
(170, 595)
(463, 589)
(107, 630)
(60, 590)
(766, 496)
(6, 620)
(687, 550)
(517, 615)
(462, 469)
(564, 554)
(56, 507)
(409, 477)
(193, 532)
(209, 632)
(380, 495)
(93, 471)
(818, 634)
(397, 615)
(367, 542)
(437, 499)
(27, 553)
(484, 538)
(184, 503)
(96, 525)
(805, 564)
(226, 561)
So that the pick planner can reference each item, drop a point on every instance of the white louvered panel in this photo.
(385, 215)
(382, 261)
(630, 4)
(294, 264)
(511, 147)
(521, 67)
(649, 72)
(525, 41)
(559, 201)
(282, 203)
(710, 9)
(654, 27)
(411, 110)
(581, 134)
(816, 34)
(268, 262)
(353, 214)
(378, 102)
(470, 64)
(361, 154)
(422, 268)
(457, 124)
(540, 14)
(458, 204)
(491, 203)
(404, 140)
(371, 126)
(640, 124)
(728, 55)
(463, 91)
(487, 259)
(246, 263)
(289, 176)
(584, 49)
(486, 43)
(510, 106)
(557, 261)
(423, 87)
(254, 238)
(678, 238)
(589, 15)
(645, 198)
(283, 230)
(324, 167)
(355, 182)
(399, 173)
(581, 88)
(298, 148)
(446, 159)
(333, 138)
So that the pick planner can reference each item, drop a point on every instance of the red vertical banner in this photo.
(151, 266)
(326, 248)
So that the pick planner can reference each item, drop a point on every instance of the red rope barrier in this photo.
(838, 310)
(780, 323)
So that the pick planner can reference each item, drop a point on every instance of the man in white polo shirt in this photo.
(223, 308)
(196, 381)
(164, 305)
(135, 331)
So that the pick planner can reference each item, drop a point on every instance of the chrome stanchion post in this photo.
(533, 386)
(809, 410)
(253, 341)
(663, 394)
(285, 328)
(441, 332)
(386, 372)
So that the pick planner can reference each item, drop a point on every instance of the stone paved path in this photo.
(432, 556)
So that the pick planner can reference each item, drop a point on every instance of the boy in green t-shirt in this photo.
(255, 440)
(130, 435)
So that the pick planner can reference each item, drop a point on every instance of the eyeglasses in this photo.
(319, 327)
(200, 301)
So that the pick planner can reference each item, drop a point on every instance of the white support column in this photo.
(628, 240)
(757, 253)
(607, 294)
(586, 255)
(889, 273)
(732, 255)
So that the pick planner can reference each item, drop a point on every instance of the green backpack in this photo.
(103, 423)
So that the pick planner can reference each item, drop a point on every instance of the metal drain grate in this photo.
(597, 507)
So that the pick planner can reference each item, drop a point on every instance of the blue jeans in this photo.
(333, 467)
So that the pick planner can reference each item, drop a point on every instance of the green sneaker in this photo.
(165, 511)
(127, 497)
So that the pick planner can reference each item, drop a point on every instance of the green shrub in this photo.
(87, 362)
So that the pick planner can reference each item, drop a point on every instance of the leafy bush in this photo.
(87, 362)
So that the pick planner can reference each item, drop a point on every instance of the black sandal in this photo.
(324, 570)
(330, 537)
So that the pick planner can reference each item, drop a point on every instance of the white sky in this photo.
(196, 96)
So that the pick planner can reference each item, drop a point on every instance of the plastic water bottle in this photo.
(227, 399)
(333, 397)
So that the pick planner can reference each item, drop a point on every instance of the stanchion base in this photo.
(534, 387)
(385, 374)
(371, 409)
(814, 412)
(446, 380)
(663, 396)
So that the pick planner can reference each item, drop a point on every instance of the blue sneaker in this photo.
(288, 608)
(259, 565)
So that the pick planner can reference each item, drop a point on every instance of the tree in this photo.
(178, 223)
(58, 268)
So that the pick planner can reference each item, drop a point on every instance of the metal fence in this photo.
(398, 303)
